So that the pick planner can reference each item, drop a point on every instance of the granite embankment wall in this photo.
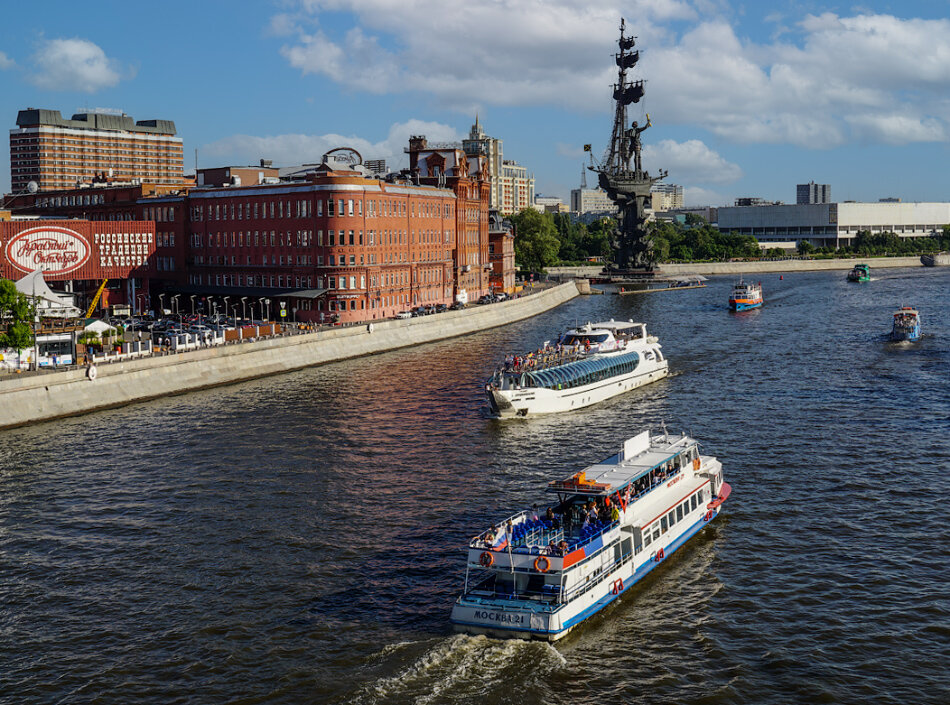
(782, 265)
(44, 397)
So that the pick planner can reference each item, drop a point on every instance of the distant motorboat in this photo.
(906, 326)
(860, 273)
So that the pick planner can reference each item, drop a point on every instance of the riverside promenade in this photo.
(36, 398)
(777, 265)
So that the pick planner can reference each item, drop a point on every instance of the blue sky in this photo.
(747, 99)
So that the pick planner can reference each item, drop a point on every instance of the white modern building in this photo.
(832, 224)
(591, 200)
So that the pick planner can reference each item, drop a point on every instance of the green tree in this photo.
(16, 313)
(805, 247)
(536, 241)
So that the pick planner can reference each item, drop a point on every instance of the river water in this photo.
(298, 539)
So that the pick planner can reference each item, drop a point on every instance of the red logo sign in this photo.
(54, 250)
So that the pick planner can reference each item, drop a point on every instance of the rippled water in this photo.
(297, 539)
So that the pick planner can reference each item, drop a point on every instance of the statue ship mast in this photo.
(628, 186)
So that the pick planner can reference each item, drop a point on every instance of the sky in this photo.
(745, 98)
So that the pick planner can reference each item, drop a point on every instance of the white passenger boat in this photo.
(588, 364)
(538, 577)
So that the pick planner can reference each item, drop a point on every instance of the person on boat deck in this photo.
(552, 549)
(533, 514)
(550, 516)
(490, 536)
(562, 547)
(614, 513)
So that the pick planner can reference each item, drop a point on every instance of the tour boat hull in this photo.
(531, 401)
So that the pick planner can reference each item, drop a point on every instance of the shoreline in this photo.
(781, 265)
(42, 398)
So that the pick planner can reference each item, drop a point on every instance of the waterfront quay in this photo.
(31, 398)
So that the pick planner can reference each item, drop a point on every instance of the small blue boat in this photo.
(906, 324)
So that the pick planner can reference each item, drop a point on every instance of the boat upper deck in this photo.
(640, 456)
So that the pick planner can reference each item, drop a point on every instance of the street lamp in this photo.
(267, 303)
(243, 308)
(225, 298)
(161, 304)
(253, 304)
(193, 304)
(175, 303)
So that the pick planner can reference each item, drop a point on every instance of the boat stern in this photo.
(504, 620)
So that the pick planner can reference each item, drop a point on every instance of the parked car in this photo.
(404, 314)
(420, 311)
(457, 306)
(487, 299)
(439, 308)
(501, 296)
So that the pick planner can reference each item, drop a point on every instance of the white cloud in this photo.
(294, 149)
(690, 162)
(696, 196)
(74, 65)
(6, 62)
(816, 84)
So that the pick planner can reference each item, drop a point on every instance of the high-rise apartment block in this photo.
(813, 193)
(667, 197)
(57, 153)
(512, 188)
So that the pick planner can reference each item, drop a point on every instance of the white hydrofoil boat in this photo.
(540, 576)
(588, 364)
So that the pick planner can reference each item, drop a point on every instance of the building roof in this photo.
(34, 117)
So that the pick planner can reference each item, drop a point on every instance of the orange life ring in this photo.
(486, 559)
(537, 564)
(709, 515)
(659, 555)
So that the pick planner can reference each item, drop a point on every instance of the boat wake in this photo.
(460, 669)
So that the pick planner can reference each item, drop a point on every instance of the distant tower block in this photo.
(813, 193)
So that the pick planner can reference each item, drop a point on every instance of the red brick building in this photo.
(467, 175)
(501, 253)
(338, 243)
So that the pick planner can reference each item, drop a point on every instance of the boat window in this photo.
(656, 533)
(694, 500)
(679, 513)
(647, 540)
(686, 507)
(670, 517)
(663, 525)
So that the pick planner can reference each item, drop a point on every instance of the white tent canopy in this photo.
(99, 327)
(48, 303)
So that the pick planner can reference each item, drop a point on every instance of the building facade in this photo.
(832, 224)
(812, 193)
(76, 256)
(466, 174)
(512, 187)
(501, 253)
(666, 197)
(594, 200)
(57, 153)
(337, 244)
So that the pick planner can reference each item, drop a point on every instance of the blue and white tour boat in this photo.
(906, 325)
(539, 573)
(588, 364)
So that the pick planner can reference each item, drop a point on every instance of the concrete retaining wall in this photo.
(788, 265)
(784, 265)
(40, 398)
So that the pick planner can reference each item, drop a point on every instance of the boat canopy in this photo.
(618, 471)
(576, 374)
